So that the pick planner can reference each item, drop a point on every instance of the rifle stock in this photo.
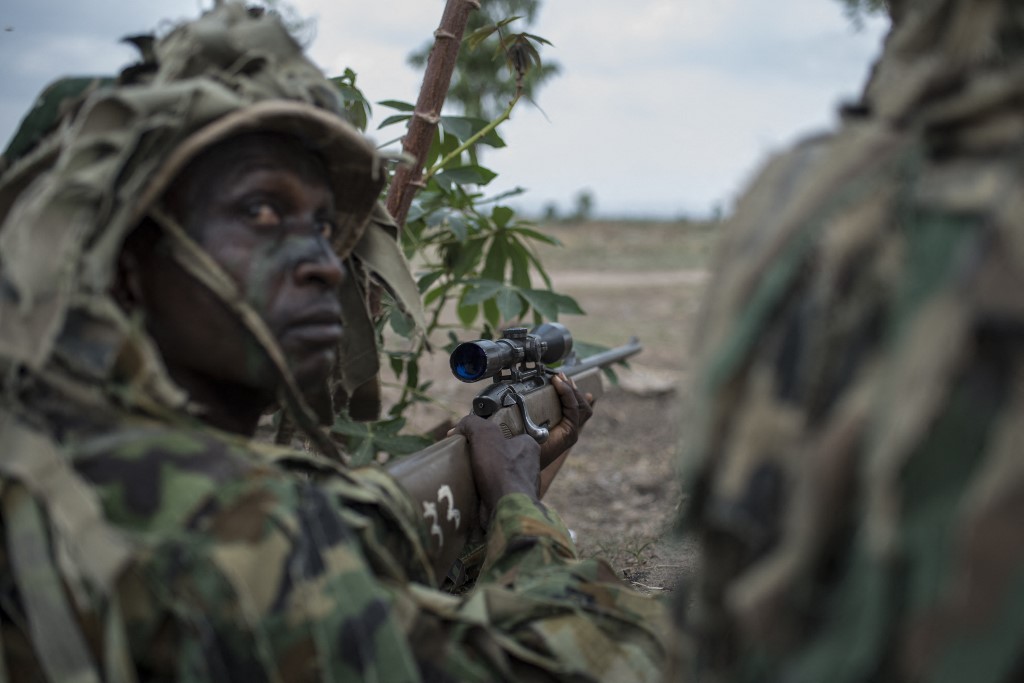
(440, 481)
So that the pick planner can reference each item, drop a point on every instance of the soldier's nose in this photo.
(325, 270)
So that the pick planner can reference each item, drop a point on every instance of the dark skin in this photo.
(522, 462)
(261, 207)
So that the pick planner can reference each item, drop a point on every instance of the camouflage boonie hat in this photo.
(70, 193)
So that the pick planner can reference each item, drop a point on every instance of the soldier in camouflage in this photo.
(855, 480)
(177, 252)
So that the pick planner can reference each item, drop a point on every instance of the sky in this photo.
(664, 108)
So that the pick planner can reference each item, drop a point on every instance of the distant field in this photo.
(629, 246)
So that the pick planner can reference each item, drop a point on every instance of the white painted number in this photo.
(444, 494)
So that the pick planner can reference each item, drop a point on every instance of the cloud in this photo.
(667, 108)
(662, 106)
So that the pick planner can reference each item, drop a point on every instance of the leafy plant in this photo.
(474, 89)
(471, 249)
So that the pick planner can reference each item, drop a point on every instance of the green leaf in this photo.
(364, 454)
(505, 22)
(491, 313)
(428, 280)
(531, 50)
(412, 372)
(402, 324)
(519, 257)
(510, 304)
(346, 427)
(456, 223)
(467, 313)
(462, 127)
(497, 257)
(356, 107)
(478, 36)
(404, 444)
(444, 182)
(538, 39)
(465, 127)
(468, 258)
(501, 215)
(539, 267)
(549, 304)
(397, 365)
(436, 149)
(432, 296)
(537, 236)
(585, 350)
(482, 291)
(393, 119)
(468, 175)
(397, 104)
(449, 143)
(514, 192)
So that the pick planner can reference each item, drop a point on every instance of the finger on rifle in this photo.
(575, 404)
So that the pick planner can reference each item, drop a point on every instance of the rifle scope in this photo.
(483, 358)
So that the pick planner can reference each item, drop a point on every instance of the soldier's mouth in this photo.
(318, 329)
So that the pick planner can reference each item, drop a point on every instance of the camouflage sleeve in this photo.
(271, 584)
(538, 613)
(243, 571)
(372, 503)
(536, 610)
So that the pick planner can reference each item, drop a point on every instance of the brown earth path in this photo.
(620, 491)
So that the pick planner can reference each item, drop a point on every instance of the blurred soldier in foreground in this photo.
(858, 481)
(185, 247)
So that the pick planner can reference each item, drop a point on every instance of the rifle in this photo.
(440, 478)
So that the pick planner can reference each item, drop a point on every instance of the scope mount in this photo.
(507, 393)
(517, 363)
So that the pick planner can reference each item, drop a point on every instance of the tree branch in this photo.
(436, 80)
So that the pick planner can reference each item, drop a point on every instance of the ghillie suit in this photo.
(141, 543)
(856, 478)
(74, 189)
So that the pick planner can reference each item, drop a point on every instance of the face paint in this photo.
(250, 230)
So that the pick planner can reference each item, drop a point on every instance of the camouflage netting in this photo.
(71, 192)
(859, 471)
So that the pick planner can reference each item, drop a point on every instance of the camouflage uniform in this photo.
(139, 543)
(855, 481)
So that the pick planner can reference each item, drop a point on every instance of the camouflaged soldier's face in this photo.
(260, 206)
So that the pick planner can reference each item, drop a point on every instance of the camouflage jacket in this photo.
(188, 554)
(855, 480)
(153, 548)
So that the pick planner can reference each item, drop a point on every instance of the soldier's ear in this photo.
(128, 287)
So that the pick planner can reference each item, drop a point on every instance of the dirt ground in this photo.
(619, 491)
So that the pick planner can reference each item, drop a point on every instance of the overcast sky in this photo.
(663, 109)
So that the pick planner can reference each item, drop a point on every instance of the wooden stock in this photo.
(440, 481)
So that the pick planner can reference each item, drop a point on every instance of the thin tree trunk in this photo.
(436, 81)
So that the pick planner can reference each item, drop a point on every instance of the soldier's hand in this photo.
(577, 408)
(500, 466)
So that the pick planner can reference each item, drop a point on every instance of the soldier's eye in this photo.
(262, 214)
(326, 227)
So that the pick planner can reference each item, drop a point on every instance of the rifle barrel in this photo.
(600, 360)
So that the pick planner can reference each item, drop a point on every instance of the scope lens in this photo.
(469, 362)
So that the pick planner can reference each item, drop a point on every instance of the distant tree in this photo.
(550, 212)
(858, 9)
(717, 213)
(584, 206)
(476, 87)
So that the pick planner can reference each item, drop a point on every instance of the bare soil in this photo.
(620, 491)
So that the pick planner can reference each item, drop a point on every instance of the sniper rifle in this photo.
(440, 478)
